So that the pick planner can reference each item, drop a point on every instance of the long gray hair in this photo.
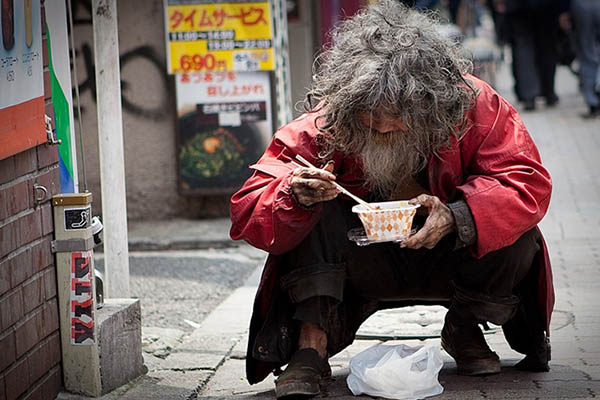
(391, 61)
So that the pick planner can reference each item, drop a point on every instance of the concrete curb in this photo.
(214, 341)
(217, 337)
(193, 361)
(180, 234)
(145, 244)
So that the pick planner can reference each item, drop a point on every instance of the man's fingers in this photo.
(315, 184)
(438, 223)
(315, 193)
(312, 185)
(414, 242)
(329, 167)
(310, 191)
(314, 173)
(316, 197)
(418, 239)
(329, 196)
(424, 200)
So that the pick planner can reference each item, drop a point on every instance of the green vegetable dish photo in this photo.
(217, 158)
(211, 154)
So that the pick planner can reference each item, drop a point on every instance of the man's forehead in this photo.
(378, 115)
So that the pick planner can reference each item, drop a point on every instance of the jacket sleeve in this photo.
(506, 188)
(264, 212)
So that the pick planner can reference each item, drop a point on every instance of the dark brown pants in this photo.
(327, 270)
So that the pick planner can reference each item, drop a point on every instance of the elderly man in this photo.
(394, 114)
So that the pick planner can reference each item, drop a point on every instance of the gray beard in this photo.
(389, 160)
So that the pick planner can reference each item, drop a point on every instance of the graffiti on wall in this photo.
(144, 56)
(81, 302)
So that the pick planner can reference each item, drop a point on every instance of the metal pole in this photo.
(110, 137)
(283, 86)
(79, 124)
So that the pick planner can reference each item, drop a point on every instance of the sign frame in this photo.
(245, 118)
(228, 35)
(21, 78)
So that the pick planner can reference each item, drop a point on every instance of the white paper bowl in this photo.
(391, 221)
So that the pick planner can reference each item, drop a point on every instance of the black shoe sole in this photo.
(532, 365)
(480, 367)
(296, 388)
(474, 367)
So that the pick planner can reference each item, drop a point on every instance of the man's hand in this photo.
(438, 224)
(312, 185)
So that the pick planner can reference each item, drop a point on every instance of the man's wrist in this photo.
(464, 225)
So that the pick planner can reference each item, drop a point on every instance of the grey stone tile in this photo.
(592, 372)
(200, 352)
(230, 380)
(162, 385)
(558, 372)
(540, 390)
(193, 360)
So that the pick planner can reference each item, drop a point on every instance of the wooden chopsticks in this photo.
(337, 185)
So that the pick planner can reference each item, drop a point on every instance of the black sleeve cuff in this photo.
(466, 233)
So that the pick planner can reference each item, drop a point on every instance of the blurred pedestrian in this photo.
(498, 12)
(586, 18)
(533, 27)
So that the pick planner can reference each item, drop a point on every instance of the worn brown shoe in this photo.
(466, 344)
(303, 375)
(537, 359)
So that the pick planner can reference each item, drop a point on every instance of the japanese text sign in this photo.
(224, 126)
(219, 36)
(21, 77)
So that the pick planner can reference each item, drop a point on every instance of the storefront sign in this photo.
(21, 77)
(224, 126)
(205, 36)
(82, 305)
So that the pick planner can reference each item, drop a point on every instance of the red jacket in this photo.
(495, 167)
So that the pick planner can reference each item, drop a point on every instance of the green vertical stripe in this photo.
(61, 113)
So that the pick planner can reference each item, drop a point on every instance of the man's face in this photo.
(381, 125)
(388, 156)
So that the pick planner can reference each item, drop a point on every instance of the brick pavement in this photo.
(570, 149)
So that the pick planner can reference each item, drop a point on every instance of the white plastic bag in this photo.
(396, 372)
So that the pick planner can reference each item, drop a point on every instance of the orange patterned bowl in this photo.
(390, 221)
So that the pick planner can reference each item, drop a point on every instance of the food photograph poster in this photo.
(225, 125)
(21, 77)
